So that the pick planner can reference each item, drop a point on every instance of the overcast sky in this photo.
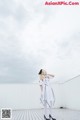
(35, 36)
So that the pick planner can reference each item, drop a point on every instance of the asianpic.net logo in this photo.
(61, 3)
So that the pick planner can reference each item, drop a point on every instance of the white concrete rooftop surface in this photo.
(37, 114)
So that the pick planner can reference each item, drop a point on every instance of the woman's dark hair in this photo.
(40, 72)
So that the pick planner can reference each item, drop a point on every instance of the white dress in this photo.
(47, 93)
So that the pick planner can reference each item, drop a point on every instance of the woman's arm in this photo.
(41, 88)
(50, 75)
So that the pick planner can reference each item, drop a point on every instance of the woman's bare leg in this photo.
(50, 108)
(46, 110)
(50, 111)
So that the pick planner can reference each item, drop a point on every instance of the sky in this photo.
(34, 36)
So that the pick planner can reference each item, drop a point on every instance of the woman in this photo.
(47, 96)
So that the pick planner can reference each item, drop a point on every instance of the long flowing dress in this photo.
(47, 93)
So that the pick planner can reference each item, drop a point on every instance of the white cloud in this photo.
(39, 36)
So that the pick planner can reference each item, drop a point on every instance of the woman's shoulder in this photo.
(47, 76)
